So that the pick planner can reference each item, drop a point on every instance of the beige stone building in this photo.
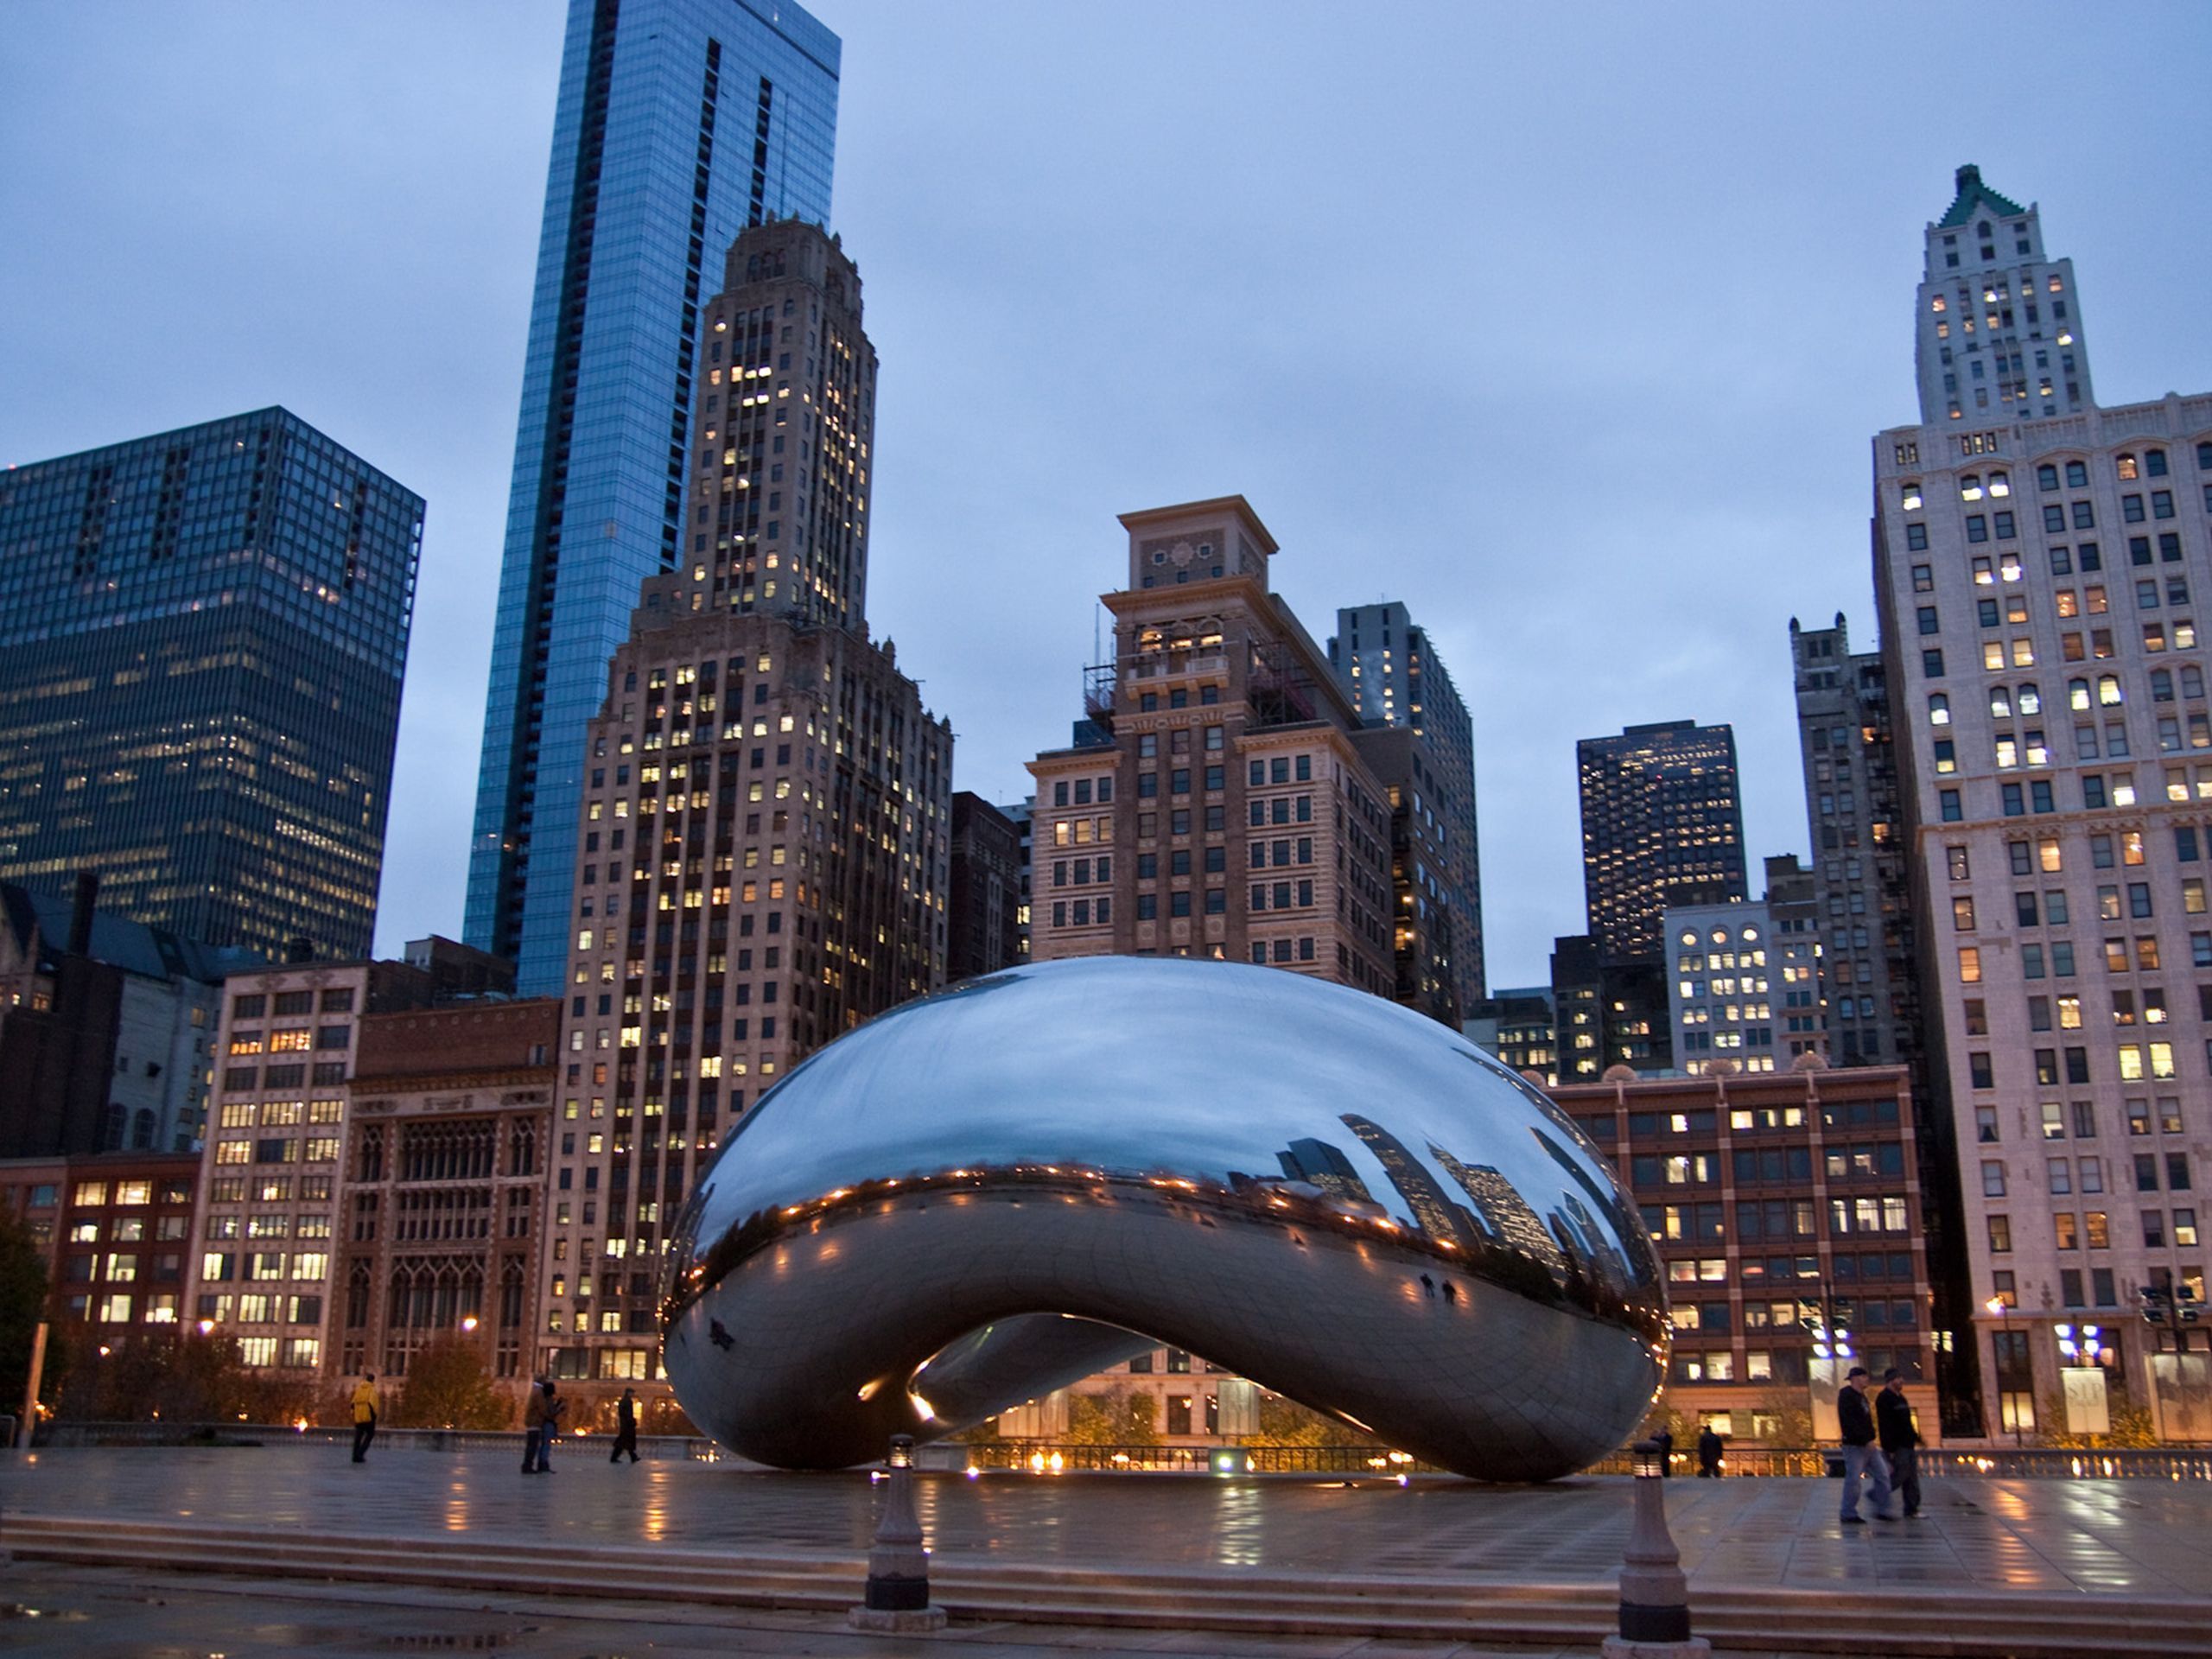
(1226, 809)
(2039, 565)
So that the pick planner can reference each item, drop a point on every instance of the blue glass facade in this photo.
(201, 640)
(679, 123)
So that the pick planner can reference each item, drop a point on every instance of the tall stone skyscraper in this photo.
(766, 826)
(201, 640)
(1999, 334)
(1662, 824)
(2038, 565)
(1395, 678)
(679, 123)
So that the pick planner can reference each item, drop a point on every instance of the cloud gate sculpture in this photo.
(997, 1191)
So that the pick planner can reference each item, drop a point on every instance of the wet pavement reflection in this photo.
(2095, 1537)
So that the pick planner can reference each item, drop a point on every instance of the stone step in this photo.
(1969, 1625)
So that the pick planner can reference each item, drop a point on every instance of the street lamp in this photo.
(2000, 1309)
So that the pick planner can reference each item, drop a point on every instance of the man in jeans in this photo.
(1860, 1453)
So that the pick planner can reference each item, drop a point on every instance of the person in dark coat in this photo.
(1665, 1441)
(1861, 1456)
(534, 1430)
(626, 1426)
(1900, 1440)
(1708, 1453)
(554, 1407)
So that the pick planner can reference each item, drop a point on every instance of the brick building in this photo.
(1229, 811)
(1778, 1203)
(115, 1230)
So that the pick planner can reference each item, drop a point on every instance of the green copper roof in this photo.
(1972, 193)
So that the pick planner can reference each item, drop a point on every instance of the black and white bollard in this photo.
(898, 1595)
(1654, 1596)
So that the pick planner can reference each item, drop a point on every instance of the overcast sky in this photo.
(1569, 327)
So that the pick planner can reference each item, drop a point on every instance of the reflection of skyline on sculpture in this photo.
(964, 1206)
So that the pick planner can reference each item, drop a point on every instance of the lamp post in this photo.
(897, 1598)
(1654, 1614)
(2000, 1309)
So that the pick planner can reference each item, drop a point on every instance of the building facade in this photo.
(150, 1004)
(202, 636)
(1787, 1209)
(1018, 814)
(679, 123)
(1720, 992)
(115, 1230)
(1520, 1024)
(1609, 1013)
(2037, 576)
(1744, 981)
(268, 1186)
(764, 856)
(763, 841)
(1227, 811)
(1861, 864)
(1425, 916)
(442, 1187)
(983, 931)
(1662, 824)
(1864, 865)
(1392, 672)
(1999, 323)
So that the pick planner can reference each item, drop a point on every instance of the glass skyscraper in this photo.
(201, 640)
(679, 123)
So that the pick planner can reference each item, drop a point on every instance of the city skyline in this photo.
(1626, 353)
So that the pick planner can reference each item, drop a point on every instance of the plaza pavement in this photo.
(2094, 1537)
(2133, 1542)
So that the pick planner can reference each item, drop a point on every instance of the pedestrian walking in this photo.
(554, 1407)
(365, 1416)
(1861, 1456)
(534, 1429)
(1899, 1439)
(626, 1426)
(1708, 1453)
(1665, 1440)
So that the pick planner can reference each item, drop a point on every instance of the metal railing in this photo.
(1033, 1457)
(675, 1447)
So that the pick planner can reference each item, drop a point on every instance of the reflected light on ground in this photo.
(1240, 1526)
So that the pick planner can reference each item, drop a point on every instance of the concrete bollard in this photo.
(897, 1599)
(1655, 1595)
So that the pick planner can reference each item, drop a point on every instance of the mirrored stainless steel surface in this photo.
(998, 1191)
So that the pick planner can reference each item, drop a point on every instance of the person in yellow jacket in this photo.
(365, 1416)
